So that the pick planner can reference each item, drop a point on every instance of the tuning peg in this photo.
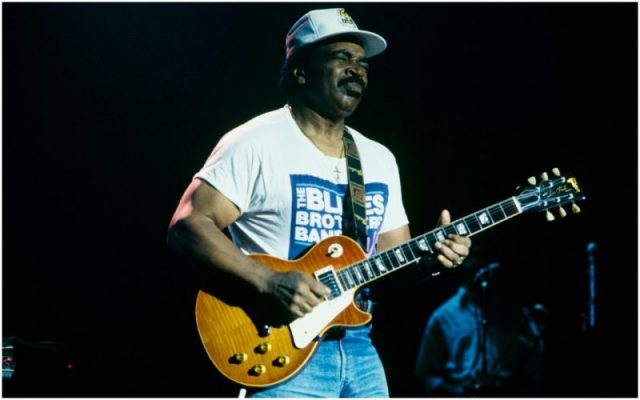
(544, 176)
(574, 208)
(532, 180)
(556, 171)
(562, 212)
(550, 216)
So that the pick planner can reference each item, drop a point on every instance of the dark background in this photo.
(109, 109)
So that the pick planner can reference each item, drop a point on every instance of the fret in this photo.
(472, 223)
(440, 235)
(374, 266)
(449, 229)
(349, 278)
(484, 219)
(366, 270)
(363, 272)
(496, 213)
(342, 282)
(431, 238)
(350, 282)
(357, 275)
(391, 260)
(384, 259)
(371, 269)
(417, 250)
(424, 245)
(510, 208)
(491, 213)
(477, 218)
(407, 246)
(382, 268)
(461, 227)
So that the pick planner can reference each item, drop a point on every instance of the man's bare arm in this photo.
(196, 230)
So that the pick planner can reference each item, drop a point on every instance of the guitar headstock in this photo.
(551, 192)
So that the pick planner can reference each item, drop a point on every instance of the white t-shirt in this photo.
(289, 193)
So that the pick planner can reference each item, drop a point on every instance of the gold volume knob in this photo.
(282, 361)
(258, 370)
(239, 358)
(264, 348)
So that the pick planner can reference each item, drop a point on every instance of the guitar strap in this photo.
(356, 191)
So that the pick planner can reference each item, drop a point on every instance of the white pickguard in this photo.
(305, 329)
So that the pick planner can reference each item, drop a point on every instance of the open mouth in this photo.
(354, 89)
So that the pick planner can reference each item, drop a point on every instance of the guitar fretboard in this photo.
(411, 251)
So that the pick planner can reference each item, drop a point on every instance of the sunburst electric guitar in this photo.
(253, 353)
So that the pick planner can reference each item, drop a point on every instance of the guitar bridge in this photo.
(327, 276)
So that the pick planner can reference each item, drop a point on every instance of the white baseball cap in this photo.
(318, 25)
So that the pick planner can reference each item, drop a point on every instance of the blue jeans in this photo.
(346, 367)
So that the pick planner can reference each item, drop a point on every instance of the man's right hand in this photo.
(296, 292)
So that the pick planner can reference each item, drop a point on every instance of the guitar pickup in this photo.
(327, 276)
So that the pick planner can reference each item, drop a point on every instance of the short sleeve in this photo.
(233, 168)
(395, 215)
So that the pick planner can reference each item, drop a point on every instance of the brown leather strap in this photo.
(356, 189)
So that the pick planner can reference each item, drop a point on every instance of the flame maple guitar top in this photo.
(227, 329)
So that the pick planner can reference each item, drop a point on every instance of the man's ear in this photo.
(299, 75)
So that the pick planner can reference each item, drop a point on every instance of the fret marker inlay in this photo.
(399, 255)
(380, 265)
(368, 270)
(484, 218)
(423, 245)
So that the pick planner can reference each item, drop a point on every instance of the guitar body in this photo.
(227, 329)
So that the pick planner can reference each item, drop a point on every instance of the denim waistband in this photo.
(339, 332)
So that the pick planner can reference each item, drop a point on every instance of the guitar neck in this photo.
(411, 251)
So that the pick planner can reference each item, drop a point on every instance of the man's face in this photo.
(336, 78)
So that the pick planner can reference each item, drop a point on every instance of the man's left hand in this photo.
(453, 250)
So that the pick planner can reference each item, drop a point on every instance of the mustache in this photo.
(353, 79)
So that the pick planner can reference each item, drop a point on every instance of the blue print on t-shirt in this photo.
(317, 206)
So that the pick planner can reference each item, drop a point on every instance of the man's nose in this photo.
(356, 69)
